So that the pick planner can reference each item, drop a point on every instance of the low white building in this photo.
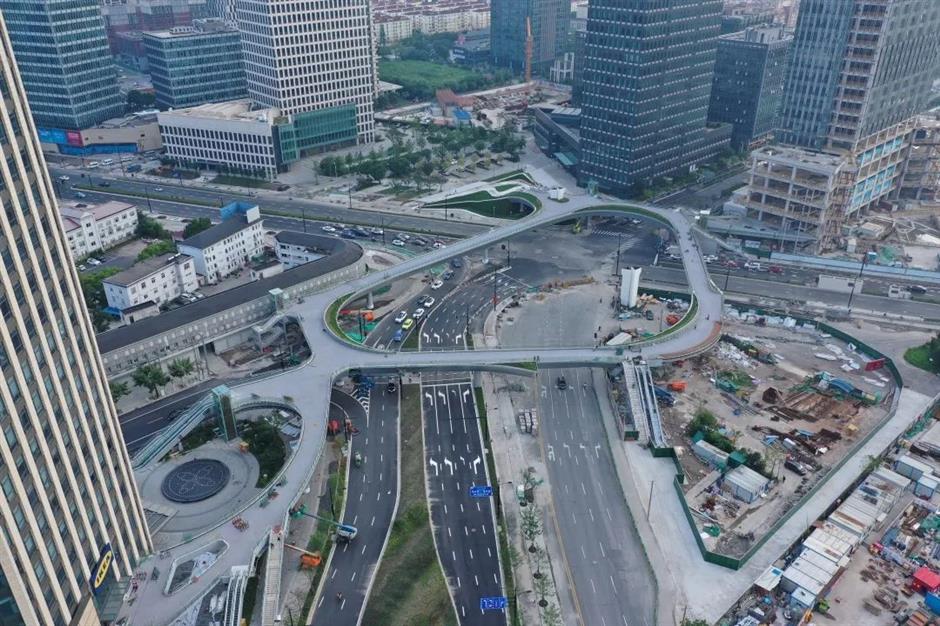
(157, 280)
(295, 248)
(227, 246)
(96, 227)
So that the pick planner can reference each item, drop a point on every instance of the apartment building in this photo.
(96, 227)
(227, 246)
(156, 280)
(295, 248)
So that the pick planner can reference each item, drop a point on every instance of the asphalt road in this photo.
(765, 285)
(282, 203)
(610, 575)
(370, 504)
(464, 526)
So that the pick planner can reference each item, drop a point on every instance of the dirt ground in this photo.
(745, 418)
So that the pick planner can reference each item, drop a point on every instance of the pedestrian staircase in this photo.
(235, 596)
(635, 403)
(270, 605)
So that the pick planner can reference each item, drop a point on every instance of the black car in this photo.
(456, 263)
(918, 289)
(104, 184)
(391, 387)
(447, 275)
(561, 383)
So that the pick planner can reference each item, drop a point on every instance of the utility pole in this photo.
(494, 286)
(619, 243)
(303, 216)
(857, 278)
(649, 502)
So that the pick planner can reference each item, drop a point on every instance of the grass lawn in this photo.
(409, 587)
(920, 357)
(423, 75)
(242, 181)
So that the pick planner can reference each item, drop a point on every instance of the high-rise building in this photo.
(64, 60)
(73, 528)
(645, 90)
(197, 64)
(311, 55)
(857, 67)
(508, 32)
(748, 85)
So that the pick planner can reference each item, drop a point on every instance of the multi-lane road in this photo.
(372, 496)
(463, 525)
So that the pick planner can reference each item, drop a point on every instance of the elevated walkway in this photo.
(235, 597)
(164, 441)
(270, 604)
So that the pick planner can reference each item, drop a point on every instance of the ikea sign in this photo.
(99, 572)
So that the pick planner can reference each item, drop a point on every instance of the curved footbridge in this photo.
(307, 387)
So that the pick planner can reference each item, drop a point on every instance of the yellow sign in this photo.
(100, 572)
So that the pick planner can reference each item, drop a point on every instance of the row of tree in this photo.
(152, 377)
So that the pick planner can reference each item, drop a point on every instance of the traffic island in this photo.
(409, 587)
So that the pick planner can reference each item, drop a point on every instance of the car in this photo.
(104, 183)
(328, 229)
(918, 289)
(398, 242)
(649, 314)
(775, 269)
(456, 263)
(561, 383)
(347, 234)
(360, 232)
(92, 165)
(82, 268)
(418, 242)
(270, 232)
(437, 284)
(419, 313)
(391, 387)
(93, 261)
(407, 324)
(438, 245)
(376, 231)
(427, 301)
(64, 179)
(795, 466)
(401, 317)
(752, 266)
(710, 258)
(399, 335)
(731, 264)
(447, 275)
(404, 236)
(81, 205)
(108, 162)
(158, 189)
(79, 194)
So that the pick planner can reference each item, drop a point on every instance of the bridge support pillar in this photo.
(486, 256)
(370, 301)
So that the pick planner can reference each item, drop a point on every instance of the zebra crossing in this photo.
(628, 239)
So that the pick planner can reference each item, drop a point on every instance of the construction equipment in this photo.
(307, 559)
(344, 532)
(529, 45)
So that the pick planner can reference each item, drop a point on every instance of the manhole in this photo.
(195, 481)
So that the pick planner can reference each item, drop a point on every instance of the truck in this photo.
(663, 397)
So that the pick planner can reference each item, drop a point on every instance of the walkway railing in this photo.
(270, 602)
(163, 441)
(235, 597)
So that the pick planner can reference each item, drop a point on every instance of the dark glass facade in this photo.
(645, 90)
(748, 83)
(63, 56)
(549, 19)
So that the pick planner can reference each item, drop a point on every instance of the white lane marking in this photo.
(603, 554)
(471, 552)
(593, 587)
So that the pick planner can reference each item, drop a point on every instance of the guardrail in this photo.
(235, 595)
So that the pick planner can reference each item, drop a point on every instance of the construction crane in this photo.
(529, 44)
(344, 532)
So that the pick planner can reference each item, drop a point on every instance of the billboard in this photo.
(99, 573)
(52, 135)
(74, 138)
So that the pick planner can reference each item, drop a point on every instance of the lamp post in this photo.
(855, 282)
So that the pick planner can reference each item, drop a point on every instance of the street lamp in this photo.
(855, 282)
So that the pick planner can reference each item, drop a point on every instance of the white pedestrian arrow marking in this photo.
(450, 465)
(476, 463)
(434, 464)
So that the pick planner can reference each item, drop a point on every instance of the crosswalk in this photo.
(628, 239)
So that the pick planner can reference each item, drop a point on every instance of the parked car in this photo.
(407, 324)
(328, 229)
(419, 242)
(158, 189)
(419, 313)
(377, 231)
(104, 183)
(648, 314)
(561, 383)
(398, 242)
(93, 261)
(447, 275)
(133, 168)
(795, 466)
(437, 284)
(347, 234)
(438, 245)
(82, 268)
(92, 165)
(108, 162)
(81, 195)
(919, 289)
(775, 269)
(64, 179)
(401, 317)
(456, 263)
(754, 266)
(404, 236)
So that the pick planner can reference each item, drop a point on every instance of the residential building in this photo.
(512, 20)
(303, 56)
(63, 56)
(240, 138)
(156, 280)
(399, 19)
(858, 74)
(97, 227)
(471, 48)
(192, 65)
(645, 89)
(73, 526)
(390, 29)
(227, 246)
(295, 248)
(747, 88)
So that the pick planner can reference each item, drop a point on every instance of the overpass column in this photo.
(370, 302)
(486, 256)
(223, 399)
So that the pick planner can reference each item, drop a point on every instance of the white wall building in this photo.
(295, 248)
(227, 136)
(310, 55)
(226, 247)
(97, 227)
(158, 280)
(391, 29)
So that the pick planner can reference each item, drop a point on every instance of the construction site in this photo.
(762, 418)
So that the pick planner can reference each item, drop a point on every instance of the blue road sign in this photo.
(493, 603)
(481, 491)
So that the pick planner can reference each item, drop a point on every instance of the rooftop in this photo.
(145, 268)
(760, 35)
(235, 110)
(341, 253)
(312, 242)
(215, 234)
(199, 27)
(99, 211)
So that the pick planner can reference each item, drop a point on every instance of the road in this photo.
(464, 526)
(765, 285)
(281, 202)
(609, 571)
(372, 497)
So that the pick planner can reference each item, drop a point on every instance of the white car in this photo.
(64, 179)
(419, 313)
(158, 189)
(93, 261)
(93, 164)
(438, 245)
(404, 236)
(108, 162)
(398, 242)
(437, 284)
(328, 229)
(376, 231)
(401, 317)
(428, 301)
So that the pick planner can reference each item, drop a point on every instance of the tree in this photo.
(196, 226)
(551, 616)
(531, 525)
(149, 228)
(538, 560)
(180, 368)
(543, 587)
(164, 246)
(138, 100)
(373, 168)
(399, 167)
(479, 145)
(118, 389)
(151, 377)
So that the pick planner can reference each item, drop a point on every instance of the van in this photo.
(108, 162)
